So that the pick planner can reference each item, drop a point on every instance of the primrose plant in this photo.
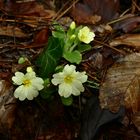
(62, 45)
(76, 40)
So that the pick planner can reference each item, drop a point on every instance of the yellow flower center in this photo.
(26, 82)
(83, 37)
(68, 79)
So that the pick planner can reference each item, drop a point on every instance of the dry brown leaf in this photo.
(82, 14)
(93, 11)
(7, 105)
(136, 120)
(128, 23)
(41, 37)
(12, 31)
(132, 40)
(122, 85)
(28, 8)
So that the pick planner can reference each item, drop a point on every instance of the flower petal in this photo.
(78, 85)
(37, 83)
(65, 90)
(69, 69)
(31, 93)
(23, 92)
(75, 91)
(91, 35)
(20, 93)
(58, 78)
(18, 78)
(30, 75)
(35, 93)
(81, 76)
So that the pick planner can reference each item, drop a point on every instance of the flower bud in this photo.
(22, 60)
(73, 37)
(29, 69)
(72, 25)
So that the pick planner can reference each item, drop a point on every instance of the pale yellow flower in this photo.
(72, 25)
(69, 81)
(85, 35)
(28, 83)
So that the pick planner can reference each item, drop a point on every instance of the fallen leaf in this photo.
(131, 40)
(82, 14)
(7, 106)
(12, 31)
(92, 60)
(136, 120)
(27, 8)
(93, 11)
(41, 37)
(94, 118)
(122, 85)
(128, 24)
(107, 9)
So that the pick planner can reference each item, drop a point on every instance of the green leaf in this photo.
(59, 31)
(58, 34)
(50, 57)
(83, 47)
(70, 32)
(58, 27)
(73, 57)
(67, 101)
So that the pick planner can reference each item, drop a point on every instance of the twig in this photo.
(117, 20)
(134, 3)
(61, 9)
(122, 52)
(64, 12)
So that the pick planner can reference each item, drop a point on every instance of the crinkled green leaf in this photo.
(50, 57)
(58, 31)
(58, 34)
(73, 57)
(58, 27)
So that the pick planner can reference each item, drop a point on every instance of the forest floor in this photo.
(109, 108)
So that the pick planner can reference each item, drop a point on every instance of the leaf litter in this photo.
(121, 84)
(112, 63)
